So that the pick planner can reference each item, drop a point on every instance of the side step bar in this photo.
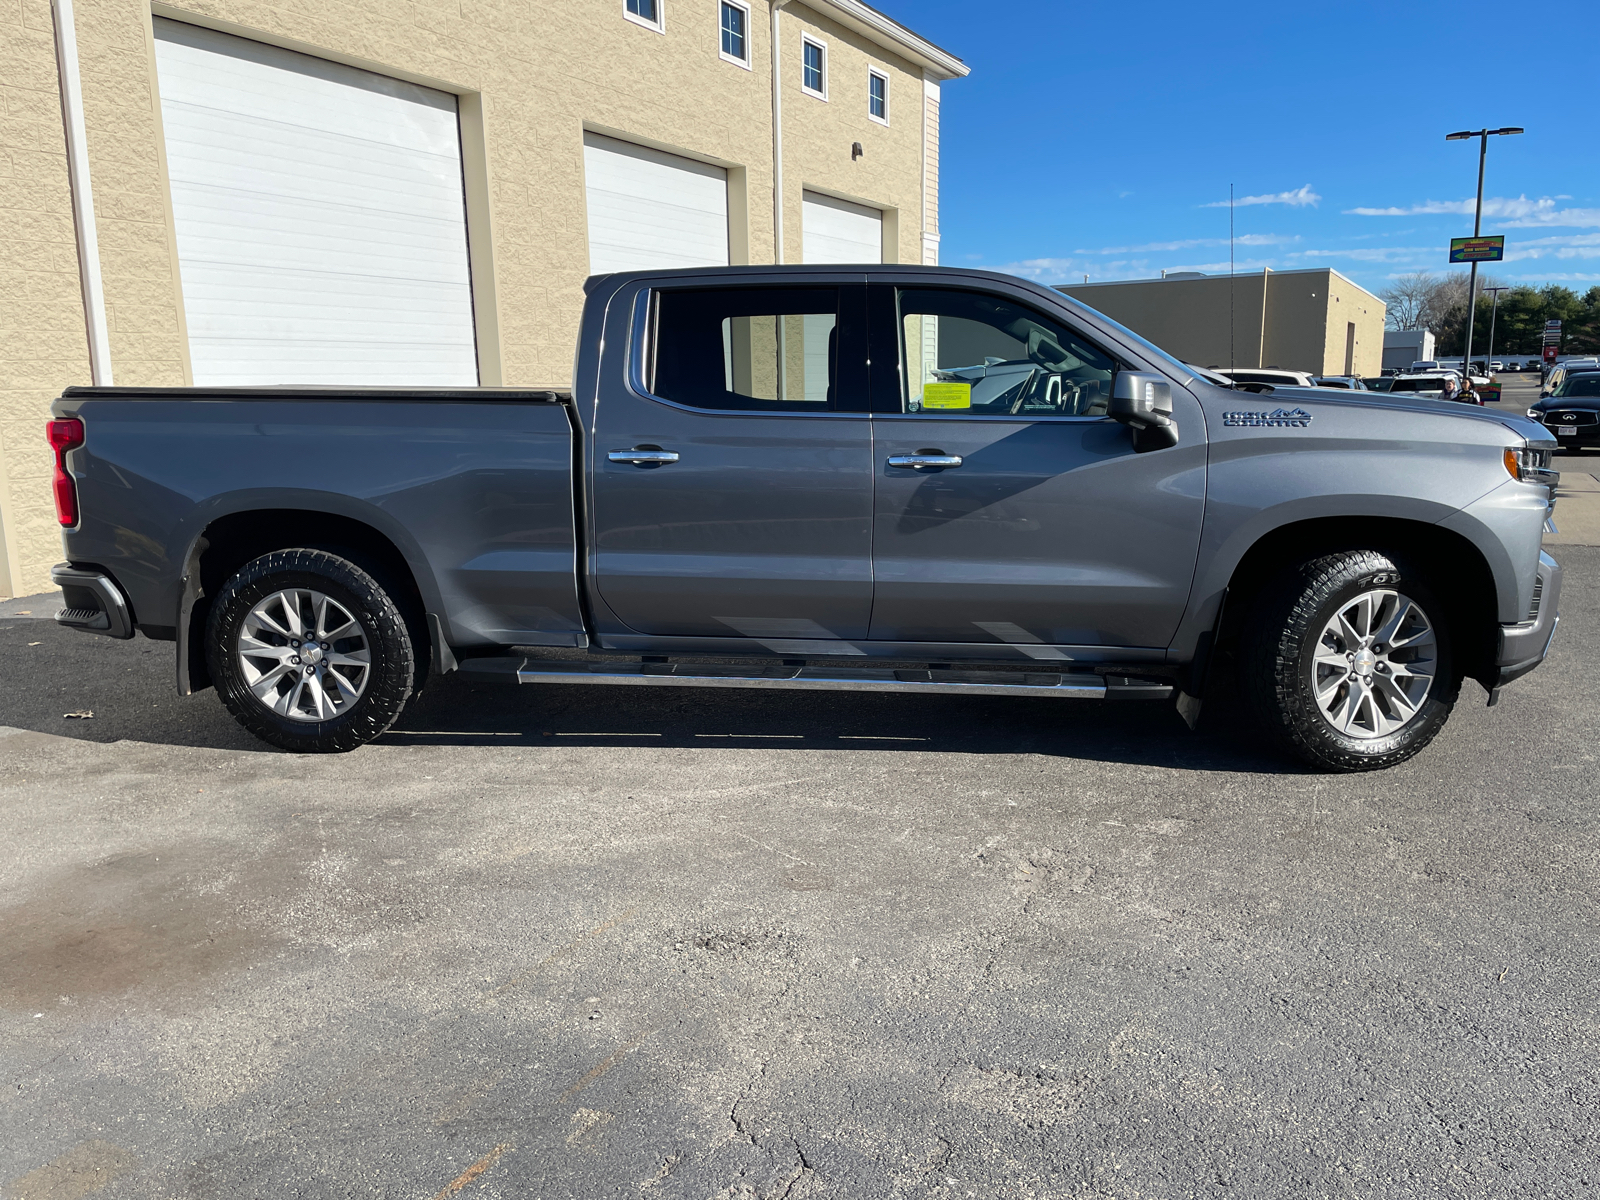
(848, 679)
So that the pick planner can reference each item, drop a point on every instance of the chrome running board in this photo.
(830, 678)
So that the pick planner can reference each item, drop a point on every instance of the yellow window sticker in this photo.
(946, 395)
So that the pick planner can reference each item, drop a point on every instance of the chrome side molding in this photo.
(1074, 686)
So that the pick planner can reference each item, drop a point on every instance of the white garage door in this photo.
(836, 231)
(320, 217)
(649, 210)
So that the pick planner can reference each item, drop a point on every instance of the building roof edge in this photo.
(865, 19)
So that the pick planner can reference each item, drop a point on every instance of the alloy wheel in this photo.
(304, 655)
(1374, 664)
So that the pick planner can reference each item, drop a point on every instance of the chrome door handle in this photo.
(924, 460)
(643, 456)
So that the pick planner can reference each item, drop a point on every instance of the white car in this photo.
(1267, 375)
(1427, 384)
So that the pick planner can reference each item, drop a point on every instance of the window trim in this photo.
(878, 73)
(641, 349)
(723, 54)
(659, 25)
(810, 39)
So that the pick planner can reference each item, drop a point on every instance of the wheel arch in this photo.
(231, 540)
(1455, 569)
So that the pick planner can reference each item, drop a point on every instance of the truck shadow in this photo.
(127, 686)
(454, 712)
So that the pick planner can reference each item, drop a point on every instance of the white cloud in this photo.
(1571, 217)
(1561, 278)
(1302, 197)
(1509, 212)
(1371, 253)
(1249, 239)
(1072, 270)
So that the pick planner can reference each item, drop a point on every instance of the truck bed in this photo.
(476, 483)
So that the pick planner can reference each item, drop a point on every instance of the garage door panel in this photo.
(649, 210)
(838, 231)
(328, 237)
(320, 217)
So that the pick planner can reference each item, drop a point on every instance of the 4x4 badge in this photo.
(1278, 418)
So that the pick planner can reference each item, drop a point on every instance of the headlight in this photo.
(1531, 464)
(1533, 414)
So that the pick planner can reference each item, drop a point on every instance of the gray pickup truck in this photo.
(901, 479)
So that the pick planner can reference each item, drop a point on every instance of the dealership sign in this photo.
(1477, 249)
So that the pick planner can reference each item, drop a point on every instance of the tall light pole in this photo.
(1483, 136)
(1493, 312)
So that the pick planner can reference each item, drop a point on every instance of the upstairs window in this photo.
(735, 35)
(643, 12)
(814, 68)
(878, 96)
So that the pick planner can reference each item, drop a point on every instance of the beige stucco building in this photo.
(527, 144)
(1315, 321)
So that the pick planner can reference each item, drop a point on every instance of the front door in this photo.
(1042, 527)
(732, 480)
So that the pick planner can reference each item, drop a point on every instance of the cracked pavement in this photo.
(593, 943)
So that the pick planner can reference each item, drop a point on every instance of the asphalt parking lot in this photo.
(592, 943)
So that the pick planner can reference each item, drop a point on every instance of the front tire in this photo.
(309, 653)
(1348, 662)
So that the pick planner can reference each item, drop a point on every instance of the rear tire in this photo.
(1347, 662)
(290, 689)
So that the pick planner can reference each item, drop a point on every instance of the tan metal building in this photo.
(1315, 321)
(400, 191)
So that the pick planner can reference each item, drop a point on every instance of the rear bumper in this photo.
(94, 602)
(1524, 645)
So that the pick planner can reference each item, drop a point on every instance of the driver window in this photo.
(977, 354)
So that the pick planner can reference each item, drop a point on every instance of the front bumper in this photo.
(1524, 645)
(95, 604)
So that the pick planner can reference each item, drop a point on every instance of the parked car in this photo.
(1379, 383)
(1417, 368)
(1431, 385)
(1572, 412)
(1271, 376)
(1558, 375)
(1349, 383)
(716, 505)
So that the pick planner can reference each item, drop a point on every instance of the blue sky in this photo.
(1101, 139)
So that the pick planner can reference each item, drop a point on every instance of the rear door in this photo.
(732, 467)
(1042, 527)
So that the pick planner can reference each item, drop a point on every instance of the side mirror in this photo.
(1143, 402)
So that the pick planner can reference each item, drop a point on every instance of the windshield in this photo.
(1417, 385)
(1210, 376)
(1579, 385)
(1176, 366)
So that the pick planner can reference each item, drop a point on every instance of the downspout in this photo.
(777, 138)
(1261, 351)
(94, 297)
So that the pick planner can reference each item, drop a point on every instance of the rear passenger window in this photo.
(979, 354)
(754, 349)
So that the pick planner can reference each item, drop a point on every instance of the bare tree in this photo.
(1409, 298)
(1423, 300)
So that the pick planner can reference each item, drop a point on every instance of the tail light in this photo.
(65, 434)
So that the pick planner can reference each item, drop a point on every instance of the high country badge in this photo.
(1278, 418)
